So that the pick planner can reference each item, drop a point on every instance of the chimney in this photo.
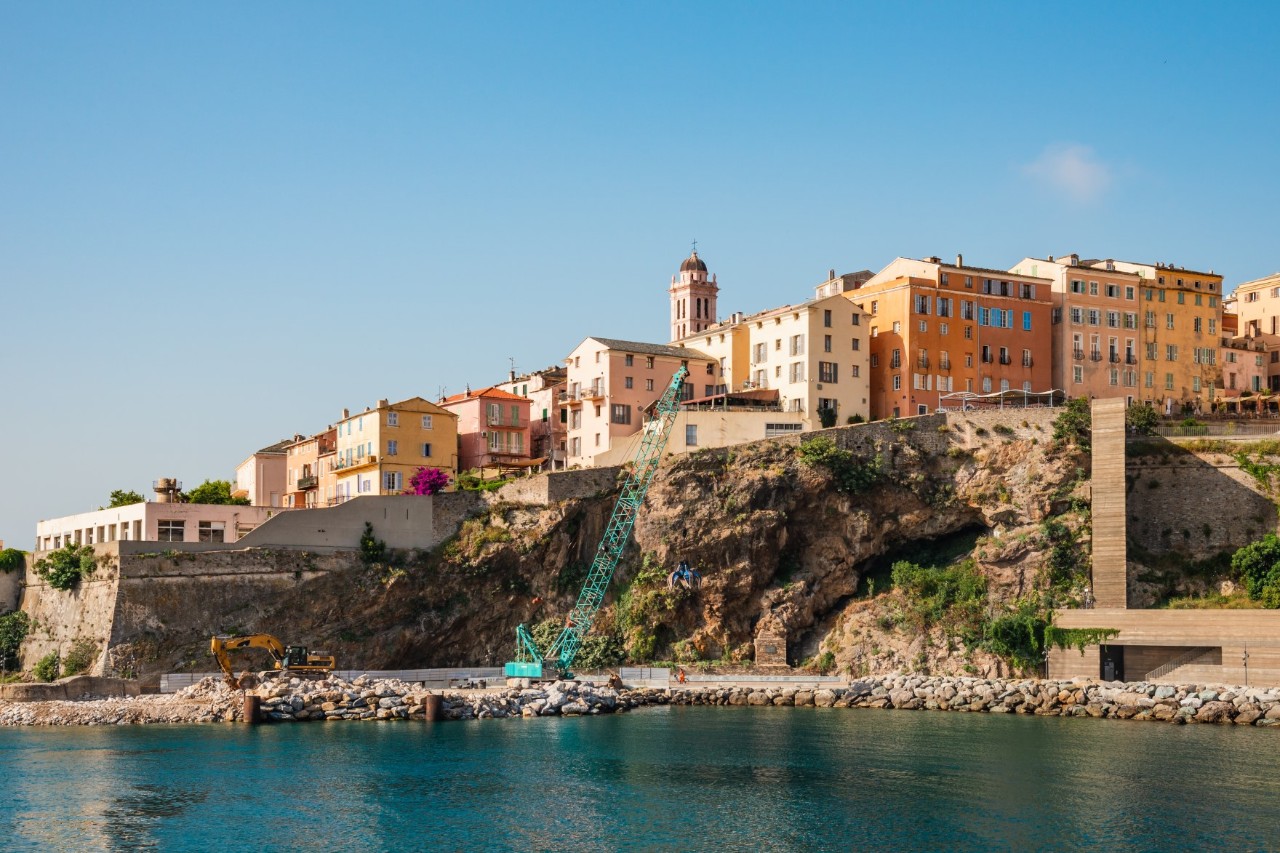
(382, 404)
(346, 413)
(1051, 259)
(933, 259)
(511, 377)
(831, 274)
(959, 259)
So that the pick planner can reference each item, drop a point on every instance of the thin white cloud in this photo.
(1071, 169)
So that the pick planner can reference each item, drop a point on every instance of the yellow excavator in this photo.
(289, 660)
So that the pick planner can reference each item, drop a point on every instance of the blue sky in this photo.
(222, 223)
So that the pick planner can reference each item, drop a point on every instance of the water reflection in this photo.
(683, 778)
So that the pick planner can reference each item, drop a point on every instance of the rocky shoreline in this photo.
(211, 701)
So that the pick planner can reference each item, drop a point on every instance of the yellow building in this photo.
(378, 450)
(1179, 332)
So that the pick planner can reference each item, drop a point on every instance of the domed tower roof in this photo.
(693, 263)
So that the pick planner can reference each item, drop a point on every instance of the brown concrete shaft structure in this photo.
(1110, 539)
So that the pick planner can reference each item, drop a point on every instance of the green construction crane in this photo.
(531, 662)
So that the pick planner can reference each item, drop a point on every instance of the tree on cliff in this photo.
(120, 497)
(12, 560)
(427, 481)
(1141, 420)
(214, 492)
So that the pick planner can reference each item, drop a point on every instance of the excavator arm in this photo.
(295, 660)
(222, 646)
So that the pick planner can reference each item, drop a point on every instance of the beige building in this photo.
(1096, 333)
(806, 358)
(378, 450)
(261, 477)
(609, 385)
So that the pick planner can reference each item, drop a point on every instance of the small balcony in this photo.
(593, 392)
(305, 483)
(1130, 358)
(1004, 359)
(1095, 356)
(1028, 361)
(923, 362)
(1078, 354)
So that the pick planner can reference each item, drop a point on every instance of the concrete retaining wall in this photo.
(76, 687)
(401, 521)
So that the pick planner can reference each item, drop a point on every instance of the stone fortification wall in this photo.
(134, 597)
(554, 486)
(1197, 505)
(402, 521)
(11, 589)
(60, 618)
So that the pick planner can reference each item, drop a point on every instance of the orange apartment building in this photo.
(1096, 334)
(939, 329)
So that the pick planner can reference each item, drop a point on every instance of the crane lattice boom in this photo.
(653, 441)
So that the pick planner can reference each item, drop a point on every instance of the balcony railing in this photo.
(1130, 358)
(1078, 354)
(1028, 361)
(499, 421)
(308, 483)
(1095, 356)
(594, 392)
(1004, 359)
(1114, 357)
(922, 361)
(944, 364)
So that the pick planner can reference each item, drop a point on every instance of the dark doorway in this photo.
(1112, 658)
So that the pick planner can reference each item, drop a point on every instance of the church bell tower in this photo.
(693, 298)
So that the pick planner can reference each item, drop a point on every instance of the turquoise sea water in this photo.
(659, 779)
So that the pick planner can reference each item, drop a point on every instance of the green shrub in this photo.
(827, 417)
(12, 560)
(1018, 636)
(825, 663)
(372, 549)
(67, 566)
(1258, 565)
(953, 597)
(1001, 429)
(854, 419)
(13, 630)
(46, 669)
(1075, 424)
(850, 475)
(81, 656)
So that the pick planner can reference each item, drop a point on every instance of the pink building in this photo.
(549, 427)
(612, 382)
(493, 429)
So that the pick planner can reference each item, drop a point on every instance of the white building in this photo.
(152, 522)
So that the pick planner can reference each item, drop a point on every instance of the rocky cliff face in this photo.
(790, 541)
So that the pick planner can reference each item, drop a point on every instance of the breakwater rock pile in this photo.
(333, 698)
(389, 699)
(1114, 700)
